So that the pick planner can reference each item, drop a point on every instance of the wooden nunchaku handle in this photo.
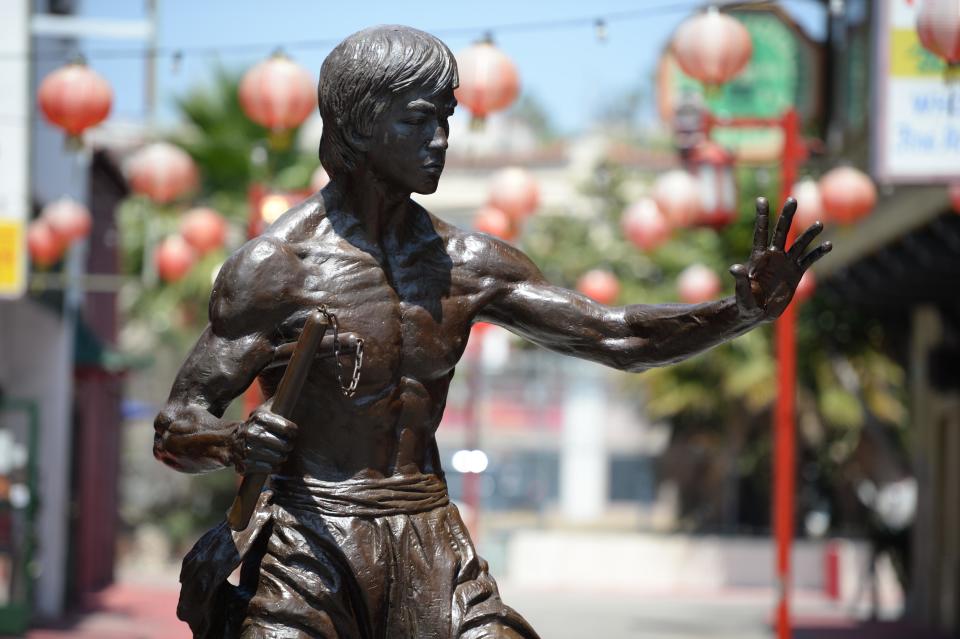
(284, 401)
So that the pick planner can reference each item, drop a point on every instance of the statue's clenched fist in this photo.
(261, 444)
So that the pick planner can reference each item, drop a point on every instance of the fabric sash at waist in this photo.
(382, 497)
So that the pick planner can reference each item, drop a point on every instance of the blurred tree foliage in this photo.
(719, 402)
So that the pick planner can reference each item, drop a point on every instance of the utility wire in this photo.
(178, 53)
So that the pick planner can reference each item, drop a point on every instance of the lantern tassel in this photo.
(280, 139)
(951, 73)
(73, 143)
(478, 123)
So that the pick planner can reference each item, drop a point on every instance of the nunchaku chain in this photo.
(350, 389)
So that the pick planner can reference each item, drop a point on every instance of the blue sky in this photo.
(567, 69)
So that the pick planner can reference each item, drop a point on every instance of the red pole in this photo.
(784, 470)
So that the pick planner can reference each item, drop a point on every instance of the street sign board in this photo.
(916, 133)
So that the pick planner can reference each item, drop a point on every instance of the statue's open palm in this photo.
(766, 284)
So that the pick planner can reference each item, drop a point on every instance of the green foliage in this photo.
(844, 376)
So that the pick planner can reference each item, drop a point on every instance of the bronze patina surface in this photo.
(356, 537)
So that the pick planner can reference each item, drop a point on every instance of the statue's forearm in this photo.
(668, 333)
(192, 440)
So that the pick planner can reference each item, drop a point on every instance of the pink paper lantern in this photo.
(644, 225)
(514, 191)
(278, 93)
(600, 285)
(174, 258)
(495, 222)
(44, 245)
(712, 47)
(163, 172)
(938, 26)
(677, 194)
(69, 219)
(204, 229)
(489, 80)
(698, 284)
(847, 194)
(809, 204)
(75, 98)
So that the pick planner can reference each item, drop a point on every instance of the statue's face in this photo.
(408, 146)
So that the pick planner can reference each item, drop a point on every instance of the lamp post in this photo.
(794, 153)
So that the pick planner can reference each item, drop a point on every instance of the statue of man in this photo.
(356, 539)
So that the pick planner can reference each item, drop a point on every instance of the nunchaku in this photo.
(284, 402)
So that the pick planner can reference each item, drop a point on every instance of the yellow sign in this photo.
(908, 58)
(12, 258)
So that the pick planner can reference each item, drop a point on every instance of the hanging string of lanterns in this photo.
(204, 229)
(645, 225)
(847, 194)
(698, 284)
(162, 172)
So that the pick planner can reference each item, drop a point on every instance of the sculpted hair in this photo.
(360, 77)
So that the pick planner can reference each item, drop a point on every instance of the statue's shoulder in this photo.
(261, 279)
(481, 253)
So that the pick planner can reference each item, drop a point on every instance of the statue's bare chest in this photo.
(410, 313)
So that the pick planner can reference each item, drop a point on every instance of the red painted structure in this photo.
(794, 153)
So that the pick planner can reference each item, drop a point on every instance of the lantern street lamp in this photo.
(75, 98)
(712, 47)
(489, 80)
(712, 165)
(938, 26)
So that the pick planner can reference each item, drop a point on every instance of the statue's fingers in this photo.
(743, 289)
(761, 230)
(811, 258)
(783, 223)
(802, 242)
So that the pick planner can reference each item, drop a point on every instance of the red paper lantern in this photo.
(74, 98)
(698, 284)
(806, 287)
(602, 286)
(69, 219)
(847, 194)
(278, 93)
(712, 47)
(713, 168)
(489, 80)
(954, 191)
(495, 222)
(174, 258)
(677, 194)
(319, 179)
(809, 204)
(938, 26)
(204, 229)
(43, 243)
(514, 191)
(163, 172)
(644, 225)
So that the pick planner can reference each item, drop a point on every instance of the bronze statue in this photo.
(356, 537)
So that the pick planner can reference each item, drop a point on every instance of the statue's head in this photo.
(363, 79)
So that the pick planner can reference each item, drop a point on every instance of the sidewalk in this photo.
(135, 610)
(123, 611)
